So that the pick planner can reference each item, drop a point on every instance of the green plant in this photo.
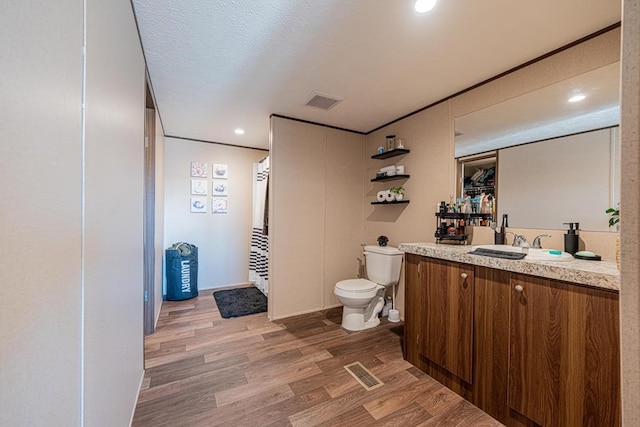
(614, 215)
(397, 190)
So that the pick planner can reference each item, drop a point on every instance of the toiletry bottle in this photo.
(571, 238)
(498, 237)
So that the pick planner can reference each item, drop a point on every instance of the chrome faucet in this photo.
(536, 242)
(519, 240)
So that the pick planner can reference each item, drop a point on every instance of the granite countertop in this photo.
(596, 274)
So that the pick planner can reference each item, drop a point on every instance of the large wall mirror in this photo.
(557, 149)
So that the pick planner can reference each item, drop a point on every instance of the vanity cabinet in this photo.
(563, 353)
(528, 351)
(412, 308)
(447, 320)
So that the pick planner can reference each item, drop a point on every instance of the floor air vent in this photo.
(363, 376)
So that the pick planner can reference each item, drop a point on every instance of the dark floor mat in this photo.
(240, 302)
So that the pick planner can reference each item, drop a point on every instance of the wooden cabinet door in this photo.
(563, 353)
(412, 308)
(448, 316)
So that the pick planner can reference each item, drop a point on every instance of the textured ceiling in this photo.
(218, 65)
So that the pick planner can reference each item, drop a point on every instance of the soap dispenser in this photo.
(571, 238)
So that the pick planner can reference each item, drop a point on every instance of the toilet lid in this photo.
(357, 285)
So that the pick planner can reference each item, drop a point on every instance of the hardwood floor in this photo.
(202, 370)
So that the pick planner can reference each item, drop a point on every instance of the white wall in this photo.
(316, 211)
(40, 214)
(223, 240)
(114, 192)
(71, 315)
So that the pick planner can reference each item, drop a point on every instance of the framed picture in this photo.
(199, 187)
(198, 204)
(219, 205)
(199, 169)
(219, 187)
(220, 171)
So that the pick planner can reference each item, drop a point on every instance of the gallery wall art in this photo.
(199, 189)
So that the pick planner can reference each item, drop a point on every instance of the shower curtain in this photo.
(259, 257)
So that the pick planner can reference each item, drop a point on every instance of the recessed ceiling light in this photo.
(424, 6)
(577, 98)
(239, 131)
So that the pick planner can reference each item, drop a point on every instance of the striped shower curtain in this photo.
(259, 257)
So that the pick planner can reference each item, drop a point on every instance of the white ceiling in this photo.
(218, 65)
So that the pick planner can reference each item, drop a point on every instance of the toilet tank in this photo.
(383, 264)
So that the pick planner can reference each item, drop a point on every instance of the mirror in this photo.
(535, 180)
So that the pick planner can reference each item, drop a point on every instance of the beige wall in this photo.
(159, 232)
(430, 137)
(71, 322)
(630, 225)
(223, 240)
(113, 201)
(40, 218)
(316, 211)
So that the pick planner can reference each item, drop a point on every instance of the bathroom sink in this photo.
(548, 255)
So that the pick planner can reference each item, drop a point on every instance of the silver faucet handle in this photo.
(536, 242)
(520, 241)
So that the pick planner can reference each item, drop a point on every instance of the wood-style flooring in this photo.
(203, 370)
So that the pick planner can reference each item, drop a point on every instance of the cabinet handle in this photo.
(519, 288)
(464, 275)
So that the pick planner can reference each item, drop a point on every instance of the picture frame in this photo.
(220, 171)
(199, 187)
(219, 187)
(219, 205)
(199, 169)
(199, 204)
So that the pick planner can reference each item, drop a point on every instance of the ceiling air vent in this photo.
(322, 100)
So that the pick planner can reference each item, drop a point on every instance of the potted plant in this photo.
(398, 192)
(614, 221)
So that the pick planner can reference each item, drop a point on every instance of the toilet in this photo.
(363, 299)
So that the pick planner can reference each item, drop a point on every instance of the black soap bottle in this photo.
(498, 237)
(571, 238)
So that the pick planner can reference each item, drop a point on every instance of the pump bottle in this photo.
(571, 238)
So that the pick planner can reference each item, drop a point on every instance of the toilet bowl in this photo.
(363, 299)
(356, 295)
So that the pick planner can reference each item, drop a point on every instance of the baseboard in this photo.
(298, 313)
(217, 288)
(135, 403)
(155, 323)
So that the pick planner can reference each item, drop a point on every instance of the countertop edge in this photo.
(596, 274)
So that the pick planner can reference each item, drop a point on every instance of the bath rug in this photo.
(240, 302)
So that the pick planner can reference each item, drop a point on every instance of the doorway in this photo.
(149, 207)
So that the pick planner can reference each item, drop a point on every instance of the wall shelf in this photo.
(389, 178)
(390, 153)
(395, 202)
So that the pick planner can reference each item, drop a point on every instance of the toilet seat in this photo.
(357, 286)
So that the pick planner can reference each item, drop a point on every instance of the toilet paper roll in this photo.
(381, 196)
(389, 196)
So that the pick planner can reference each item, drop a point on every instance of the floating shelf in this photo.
(389, 178)
(395, 202)
(391, 153)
